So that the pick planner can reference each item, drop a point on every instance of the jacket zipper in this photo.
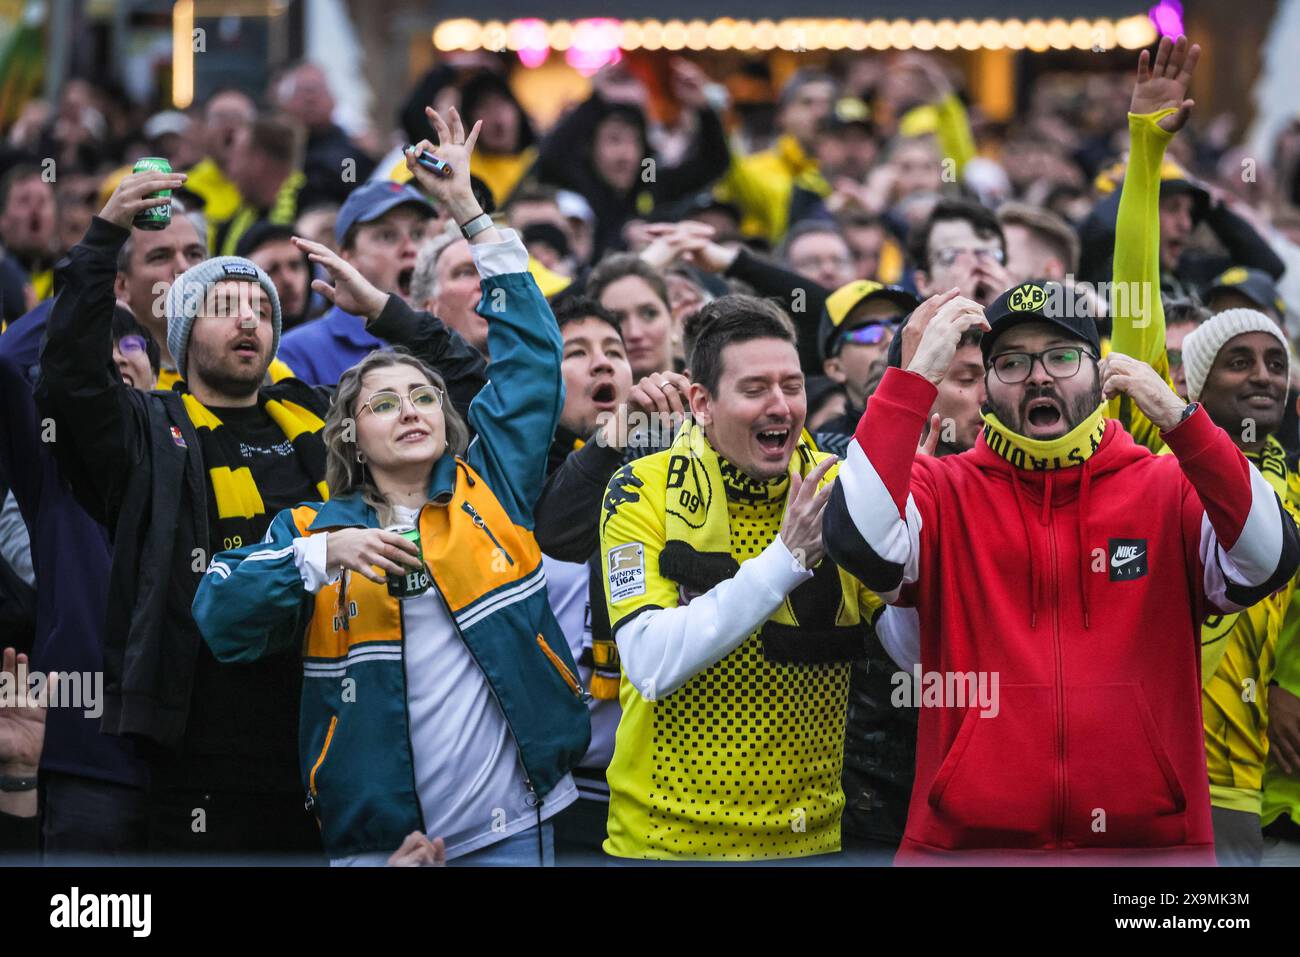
(325, 749)
(569, 679)
(478, 521)
(406, 707)
(1060, 686)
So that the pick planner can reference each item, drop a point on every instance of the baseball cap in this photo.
(1255, 284)
(849, 111)
(843, 301)
(1033, 302)
(371, 200)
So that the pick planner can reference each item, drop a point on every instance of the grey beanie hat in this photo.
(190, 290)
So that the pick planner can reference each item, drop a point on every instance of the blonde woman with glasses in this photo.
(440, 707)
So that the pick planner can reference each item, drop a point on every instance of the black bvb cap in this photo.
(1039, 301)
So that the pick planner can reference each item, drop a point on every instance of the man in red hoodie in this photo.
(1070, 569)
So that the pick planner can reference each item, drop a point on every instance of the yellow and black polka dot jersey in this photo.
(743, 761)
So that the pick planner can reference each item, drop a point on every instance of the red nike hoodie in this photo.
(1083, 589)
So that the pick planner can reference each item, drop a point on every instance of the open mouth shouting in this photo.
(404, 281)
(1043, 415)
(774, 441)
(603, 395)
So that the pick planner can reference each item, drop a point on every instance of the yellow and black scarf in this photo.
(283, 212)
(1035, 455)
(819, 621)
(233, 494)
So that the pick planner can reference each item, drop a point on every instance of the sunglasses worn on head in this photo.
(386, 403)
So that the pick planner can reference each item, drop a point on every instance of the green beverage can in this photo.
(413, 581)
(160, 216)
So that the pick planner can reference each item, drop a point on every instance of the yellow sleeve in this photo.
(948, 121)
(1137, 314)
(757, 196)
(953, 131)
(631, 538)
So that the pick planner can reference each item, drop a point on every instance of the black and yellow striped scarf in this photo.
(283, 212)
(233, 493)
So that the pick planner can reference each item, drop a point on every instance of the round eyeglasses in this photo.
(387, 403)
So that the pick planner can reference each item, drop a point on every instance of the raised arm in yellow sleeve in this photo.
(947, 120)
(1157, 111)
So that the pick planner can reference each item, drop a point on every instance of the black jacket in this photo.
(564, 160)
(135, 464)
(803, 299)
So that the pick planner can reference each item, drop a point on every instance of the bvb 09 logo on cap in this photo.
(1027, 298)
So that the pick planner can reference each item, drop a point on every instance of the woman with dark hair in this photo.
(439, 695)
(636, 293)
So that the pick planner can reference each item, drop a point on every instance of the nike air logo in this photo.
(1124, 555)
(1128, 558)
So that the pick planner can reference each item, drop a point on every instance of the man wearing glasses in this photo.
(960, 245)
(1072, 564)
(857, 325)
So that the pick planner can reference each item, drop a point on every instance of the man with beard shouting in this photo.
(1073, 566)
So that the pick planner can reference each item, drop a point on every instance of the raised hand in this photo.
(801, 525)
(351, 291)
(934, 353)
(454, 148)
(135, 194)
(1124, 375)
(22, 725)
(690, 84)
(675, 242)
(1163, 84)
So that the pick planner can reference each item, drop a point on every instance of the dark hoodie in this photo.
(565, 160)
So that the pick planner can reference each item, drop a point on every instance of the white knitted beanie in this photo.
(1204, 342)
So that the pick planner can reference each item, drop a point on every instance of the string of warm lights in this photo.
(1130, 33)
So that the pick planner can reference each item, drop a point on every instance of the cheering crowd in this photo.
(854, 478)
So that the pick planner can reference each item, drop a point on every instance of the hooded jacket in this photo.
(1081, 589)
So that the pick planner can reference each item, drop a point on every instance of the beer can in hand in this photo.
(413, 582)
(160, 216)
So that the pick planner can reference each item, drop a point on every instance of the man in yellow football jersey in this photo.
(735, 635)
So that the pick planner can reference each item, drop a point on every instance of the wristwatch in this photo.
(1189, 412)
(476, 225)
(10, 783)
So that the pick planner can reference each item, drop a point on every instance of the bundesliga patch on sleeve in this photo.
(1128, 558)
(626, 571)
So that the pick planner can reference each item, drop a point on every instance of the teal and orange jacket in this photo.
(476, 534)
